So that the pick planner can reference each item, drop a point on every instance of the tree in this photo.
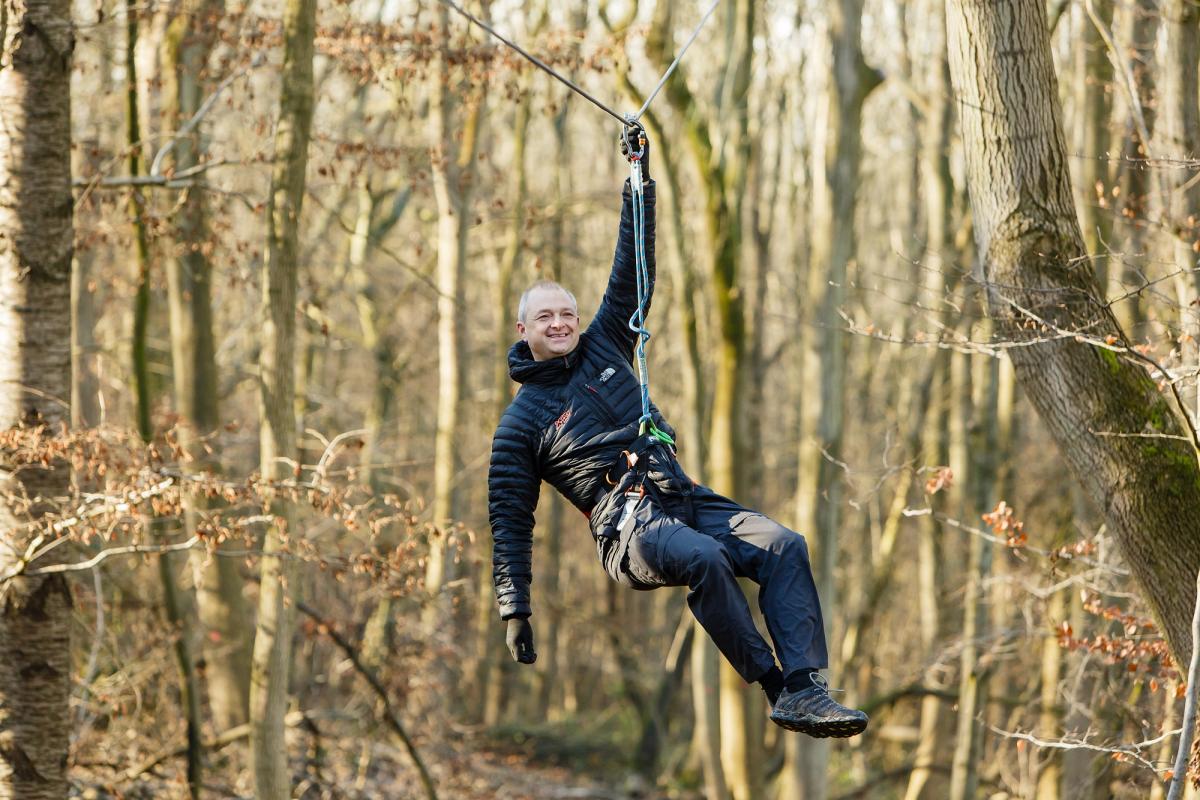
(36, 249)
(1120, 435)
(219, 602)
(277, 439)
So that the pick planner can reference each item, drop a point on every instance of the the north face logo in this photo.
(562, 419)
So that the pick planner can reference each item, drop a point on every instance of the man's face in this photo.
(551, 324)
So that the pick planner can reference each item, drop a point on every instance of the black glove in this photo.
(635, 134)
(520, 640)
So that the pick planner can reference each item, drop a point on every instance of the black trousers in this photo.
(705, 541)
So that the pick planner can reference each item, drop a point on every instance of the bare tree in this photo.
(277, 439)
(1120, 435)
(36, 249)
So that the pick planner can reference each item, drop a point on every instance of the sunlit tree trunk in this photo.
(1134, 28)
(277, 439)
(36, 249)
(1030, 245)
(972, 692)
(836, 155)
(1179, 131)
(219, 602)
(720, 149)
(1093, 82)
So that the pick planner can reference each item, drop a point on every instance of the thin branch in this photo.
(104, 555)
(392, 718)
(1179, 778)
(156, 167)
(1130, 750)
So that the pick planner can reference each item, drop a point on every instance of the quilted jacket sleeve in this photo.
(620, 296)
(513, 488)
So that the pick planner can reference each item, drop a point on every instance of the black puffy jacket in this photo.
(570, 420)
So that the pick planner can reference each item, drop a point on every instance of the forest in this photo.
(927, 293)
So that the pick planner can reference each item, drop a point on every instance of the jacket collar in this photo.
(523, 369)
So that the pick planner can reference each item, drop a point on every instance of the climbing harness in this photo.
(637, 323)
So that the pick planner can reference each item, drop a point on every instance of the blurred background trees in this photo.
(298, 241)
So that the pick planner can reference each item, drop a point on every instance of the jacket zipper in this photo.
(598, 404)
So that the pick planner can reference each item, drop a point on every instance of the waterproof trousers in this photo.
(706, 542)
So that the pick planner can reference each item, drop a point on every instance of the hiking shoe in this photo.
(814, 712)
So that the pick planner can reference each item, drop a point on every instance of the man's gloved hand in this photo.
(520, 640)
(636, 135)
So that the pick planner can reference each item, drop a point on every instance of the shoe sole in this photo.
(821, 729)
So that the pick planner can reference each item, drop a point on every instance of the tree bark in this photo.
(36, 249)
(1119, 434)
(271, 658)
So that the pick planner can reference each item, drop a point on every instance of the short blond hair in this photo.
(544, 283)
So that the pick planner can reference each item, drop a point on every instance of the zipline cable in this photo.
(663, 80)
(627, 120)
(537, 62)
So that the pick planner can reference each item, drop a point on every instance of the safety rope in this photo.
(637, 322)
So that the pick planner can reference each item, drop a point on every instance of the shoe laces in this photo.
(822, 683)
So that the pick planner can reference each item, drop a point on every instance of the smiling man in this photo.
(574, 424)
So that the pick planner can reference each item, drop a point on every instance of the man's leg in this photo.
(664, 551)
(776, 558)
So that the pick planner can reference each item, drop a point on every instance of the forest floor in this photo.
(507, 764)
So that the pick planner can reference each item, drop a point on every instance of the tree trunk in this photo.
(1138, 21)
(277, 389)
(1093, 77)
(720, 148)
(1179, 130)
(453, 176)
(219, 602)
(972, 693)
(36, 248)
(836, 155)
(85, 380)
(1098, 404)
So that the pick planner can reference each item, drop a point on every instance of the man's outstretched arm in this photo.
(620, 296)
(513, 490)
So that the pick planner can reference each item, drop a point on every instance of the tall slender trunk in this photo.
(972, 692)
(271, 659)
(143, 392)
(836, 156)
(453, 176)
(1029, 241)
(1093, 77)
(1137, 23)
(720, 148)
(36, 248)
(85, 380)
(1179, 131)
(487, 632)
(222, 609)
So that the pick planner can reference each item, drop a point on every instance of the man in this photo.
(575, 424)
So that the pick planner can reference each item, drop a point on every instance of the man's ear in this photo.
(521, 330)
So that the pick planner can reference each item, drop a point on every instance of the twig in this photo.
(155, 549)
(1179, 778)
(1130, 750)
(228, 737)
(156, 167)
(392, 719)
